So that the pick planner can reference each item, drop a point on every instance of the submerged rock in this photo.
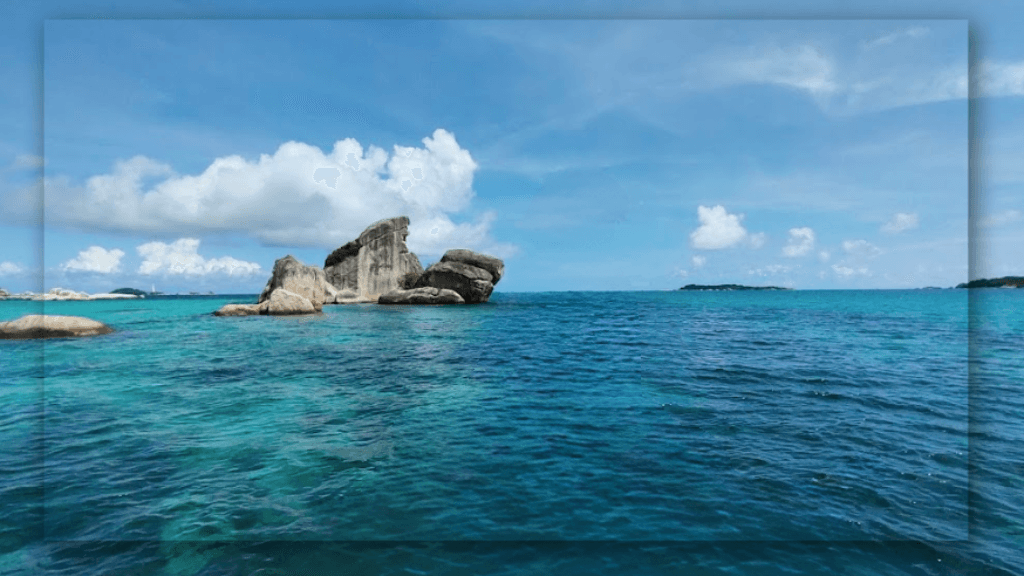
(374, 263)
(42, 326)
(425, 295)
(238, 310)
(293, 276)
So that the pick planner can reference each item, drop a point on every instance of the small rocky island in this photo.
(1004, 282)
(376, 267)
(730, 287)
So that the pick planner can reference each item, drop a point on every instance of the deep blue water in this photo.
(860, 432)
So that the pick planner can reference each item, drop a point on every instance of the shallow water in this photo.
(683, 426)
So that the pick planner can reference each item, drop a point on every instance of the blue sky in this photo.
(590, 154)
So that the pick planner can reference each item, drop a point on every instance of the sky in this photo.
(618, 153)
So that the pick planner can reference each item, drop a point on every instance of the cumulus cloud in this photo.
(824, 255)
(297, 196)
(801, 242)
(699, 261)
(181, 258)
(861, 248)
(95, 259)
(900, 222)
(10, 269)
(718, 229)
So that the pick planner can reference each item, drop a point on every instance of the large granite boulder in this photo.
(42, 326)
(493, 265)
(472, 283)
(425, 295)
(374, 263)
(284, 302)
(309, 282)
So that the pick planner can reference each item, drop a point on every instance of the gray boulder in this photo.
(374, 263)
(425, 295)
(42, 326)
(472, 283)
(309, 282)
(493, 265)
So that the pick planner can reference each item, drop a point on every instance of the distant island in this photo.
(730, 287)
(1004, 282)
(132, 291)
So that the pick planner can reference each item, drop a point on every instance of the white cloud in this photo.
(26, 162)
(900, 222)
(913, 32)
(438, 234)
(757, 240)
(10, 269)
(95, 259)
(699, 261)
(770, 270)
(847, 272)
(291, 197)
(1002, 218)
(801, 242)
(861, 248)
(1000, 79)
(718, 229)
(181, 258)
(803, 67)
(824, 255)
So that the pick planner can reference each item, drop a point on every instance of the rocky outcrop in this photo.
(472, 283)
(42, 326)
(426, 295)
(493, 265)
(281, 302)
(293, 288)
(374, 263)
(293, 276)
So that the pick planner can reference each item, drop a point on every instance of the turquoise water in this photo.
(763, 432)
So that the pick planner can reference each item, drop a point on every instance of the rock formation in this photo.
(426, 295)
(374, 263)
(470, 275)
(375, 267)
(42, 326)
(293, 288)
(280, 302)
(472, 283)
(308, 282)
(493, 265)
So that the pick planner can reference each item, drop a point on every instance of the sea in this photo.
(876, 432)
